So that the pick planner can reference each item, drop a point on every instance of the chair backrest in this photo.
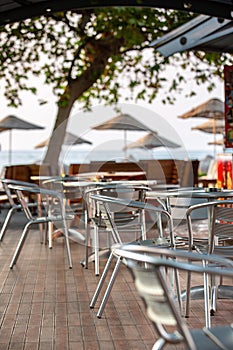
(220, 227)
(165, 232)
(10, 192)
(70, 188)
(45, 198)
(102, 216)
(150, 267)
(127, 192)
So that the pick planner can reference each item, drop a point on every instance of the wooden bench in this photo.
(110, 167)
(23, 172)
(164, 171)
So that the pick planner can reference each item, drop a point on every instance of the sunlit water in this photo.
(85, 156)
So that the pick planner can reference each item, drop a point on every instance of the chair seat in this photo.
(203, 341)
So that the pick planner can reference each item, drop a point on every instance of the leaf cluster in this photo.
(62, 47)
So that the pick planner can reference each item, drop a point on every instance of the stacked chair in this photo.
(218, 240)
(150, 267)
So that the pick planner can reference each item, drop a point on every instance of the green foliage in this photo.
(106, 50)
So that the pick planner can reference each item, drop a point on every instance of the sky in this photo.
(159, 117)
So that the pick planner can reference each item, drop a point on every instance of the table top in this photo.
(192, 193)
(97, 178)
(82, 183)
(73, 183)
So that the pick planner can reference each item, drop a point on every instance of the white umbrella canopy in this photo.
(69, 140)
(213, 109)
(153, 140)
(12, 122)
(122, 122)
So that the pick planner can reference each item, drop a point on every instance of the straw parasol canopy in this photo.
(153, 140)
(211, 109)
(211, 126)
(70, 139)
(219, 142)
(11, 122)
(123, 122)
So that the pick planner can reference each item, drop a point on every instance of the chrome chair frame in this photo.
(161, 240)
(14, 204)
(220, 230)
(133, 221)
(148, 266)
(46, 198)
(58, 184)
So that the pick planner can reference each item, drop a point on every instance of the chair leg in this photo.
(159, 345)
(96, 250)
(213, 296)
(178, 289)
(187, 295)
(66, 236)
(50, 234)
(20, 245)
(6, 222)
(206, 299)
(109, 288)
(86, 245)
(143, 225)
(101, 281)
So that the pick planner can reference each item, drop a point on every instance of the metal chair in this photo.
(148, 266)
(125, 219)
(13, 201)
(164, 237)
(218, 240)
(50, 209)
(73, 199)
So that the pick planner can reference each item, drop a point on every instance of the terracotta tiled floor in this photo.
(45, 305)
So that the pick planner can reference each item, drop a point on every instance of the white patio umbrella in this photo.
(69, 140)
(123, 122)
(11, 122)
(153, 140)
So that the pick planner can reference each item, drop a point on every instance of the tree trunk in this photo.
(57, 138)
(103, 49)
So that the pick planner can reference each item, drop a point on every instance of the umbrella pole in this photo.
(10, 143)
(125, 143)
(214, 130)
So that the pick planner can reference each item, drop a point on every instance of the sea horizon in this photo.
(19, 157)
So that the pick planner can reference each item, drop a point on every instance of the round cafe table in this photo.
(195, 192)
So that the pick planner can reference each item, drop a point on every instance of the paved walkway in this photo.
(45, 305)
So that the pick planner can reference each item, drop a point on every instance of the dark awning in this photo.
(13, 11)
(202, 33)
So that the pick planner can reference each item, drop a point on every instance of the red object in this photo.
(224, 179)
